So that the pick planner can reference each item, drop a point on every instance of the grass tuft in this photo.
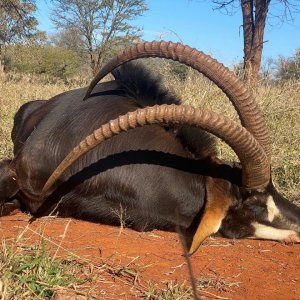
(29, 272)
(205, 286)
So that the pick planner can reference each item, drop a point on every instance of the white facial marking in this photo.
(270, 233)
(273, 211)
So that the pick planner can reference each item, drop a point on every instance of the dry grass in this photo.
(280, 105)
(206, 286)
(16, 90)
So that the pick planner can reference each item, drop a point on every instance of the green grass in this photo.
(33, 269)
(30, 272)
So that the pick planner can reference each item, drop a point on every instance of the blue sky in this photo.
(194, 22)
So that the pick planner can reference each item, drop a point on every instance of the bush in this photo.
(289, 68)
(47, 59)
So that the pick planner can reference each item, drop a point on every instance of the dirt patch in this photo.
(133, 264)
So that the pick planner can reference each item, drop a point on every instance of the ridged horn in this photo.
(241, 98)
(255, 166)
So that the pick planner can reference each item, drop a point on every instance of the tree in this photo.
(16, 23)
(255, 14)
(101, 23)
(289, 68)
(70, 39)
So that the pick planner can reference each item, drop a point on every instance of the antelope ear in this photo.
(218, 200)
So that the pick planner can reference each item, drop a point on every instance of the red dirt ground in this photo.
(236, 269)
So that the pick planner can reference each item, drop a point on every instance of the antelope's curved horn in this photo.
(255, 165)
(243, 101)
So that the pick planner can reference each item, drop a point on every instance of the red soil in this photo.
(236, 269)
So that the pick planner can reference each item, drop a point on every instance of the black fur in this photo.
(103, 183)
(140, 84)
(20, 133)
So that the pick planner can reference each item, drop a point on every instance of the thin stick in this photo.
(188, 262)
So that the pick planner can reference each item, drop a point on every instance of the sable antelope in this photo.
(102, 158)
